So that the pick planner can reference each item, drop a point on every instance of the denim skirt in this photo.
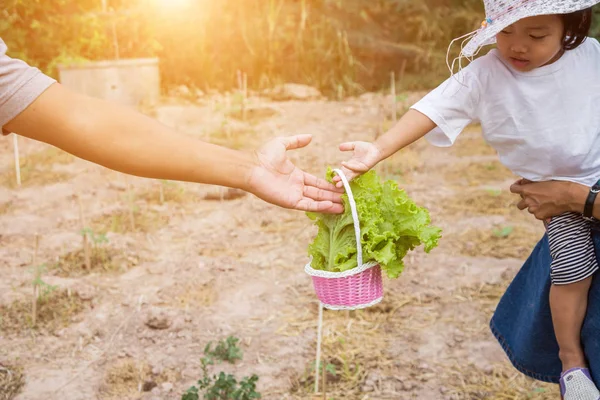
(522, 322)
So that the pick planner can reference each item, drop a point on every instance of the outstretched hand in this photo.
(365, 156)
(275, 179)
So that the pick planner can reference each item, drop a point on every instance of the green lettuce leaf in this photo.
(391, 225)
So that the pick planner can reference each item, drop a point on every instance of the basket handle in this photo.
(354, 215)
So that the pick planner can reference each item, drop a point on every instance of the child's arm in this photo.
(411, 127)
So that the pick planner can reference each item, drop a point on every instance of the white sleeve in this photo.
(452, 106)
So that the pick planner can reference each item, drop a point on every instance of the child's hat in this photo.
(502, 13)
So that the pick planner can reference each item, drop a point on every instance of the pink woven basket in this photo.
(360, 287)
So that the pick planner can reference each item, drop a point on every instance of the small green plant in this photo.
(225, 350)
(504, 232)
(494, 192)
(330, 368)
(237, 102)
(222, 386)
(96, 238)
(41, 290)
(44, 289)
(95, 255)
(98, 253)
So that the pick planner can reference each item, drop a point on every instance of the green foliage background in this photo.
(330, 44)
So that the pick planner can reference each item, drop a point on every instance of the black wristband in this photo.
(588, 210)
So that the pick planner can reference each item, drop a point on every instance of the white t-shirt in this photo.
(544, 124)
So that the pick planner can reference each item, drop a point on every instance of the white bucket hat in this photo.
(502, 13)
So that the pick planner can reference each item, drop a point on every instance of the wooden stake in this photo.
(245, 96)
(35, 281)
(17, 162)
(324, 382)
(319, 339)
(86, 244)
(340, 92)
(393, 92)
(304, 17)
(242, 79)
(227, 107)
(115, 38)
(130, 204)
(402, 71)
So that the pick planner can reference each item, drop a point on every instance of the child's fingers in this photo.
(348, 146)
(355, 166)
(351, 169)
(337, 181)
(349, 174)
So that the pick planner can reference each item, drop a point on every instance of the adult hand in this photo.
(551, 198)
(277, 180)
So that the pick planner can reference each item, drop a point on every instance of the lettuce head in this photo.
(391, 225)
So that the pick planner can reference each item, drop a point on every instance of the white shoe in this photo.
(577, 384)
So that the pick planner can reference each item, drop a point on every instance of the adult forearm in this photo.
(122, 139)
(576, 197)
(138, 145)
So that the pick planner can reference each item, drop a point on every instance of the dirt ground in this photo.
(206, 263)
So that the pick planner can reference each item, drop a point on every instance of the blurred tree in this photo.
(352, 44)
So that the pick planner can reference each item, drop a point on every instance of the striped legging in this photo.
(571, 248)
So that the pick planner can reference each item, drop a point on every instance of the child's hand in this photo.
(366, 156)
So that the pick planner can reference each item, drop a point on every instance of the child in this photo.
(537, 97)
